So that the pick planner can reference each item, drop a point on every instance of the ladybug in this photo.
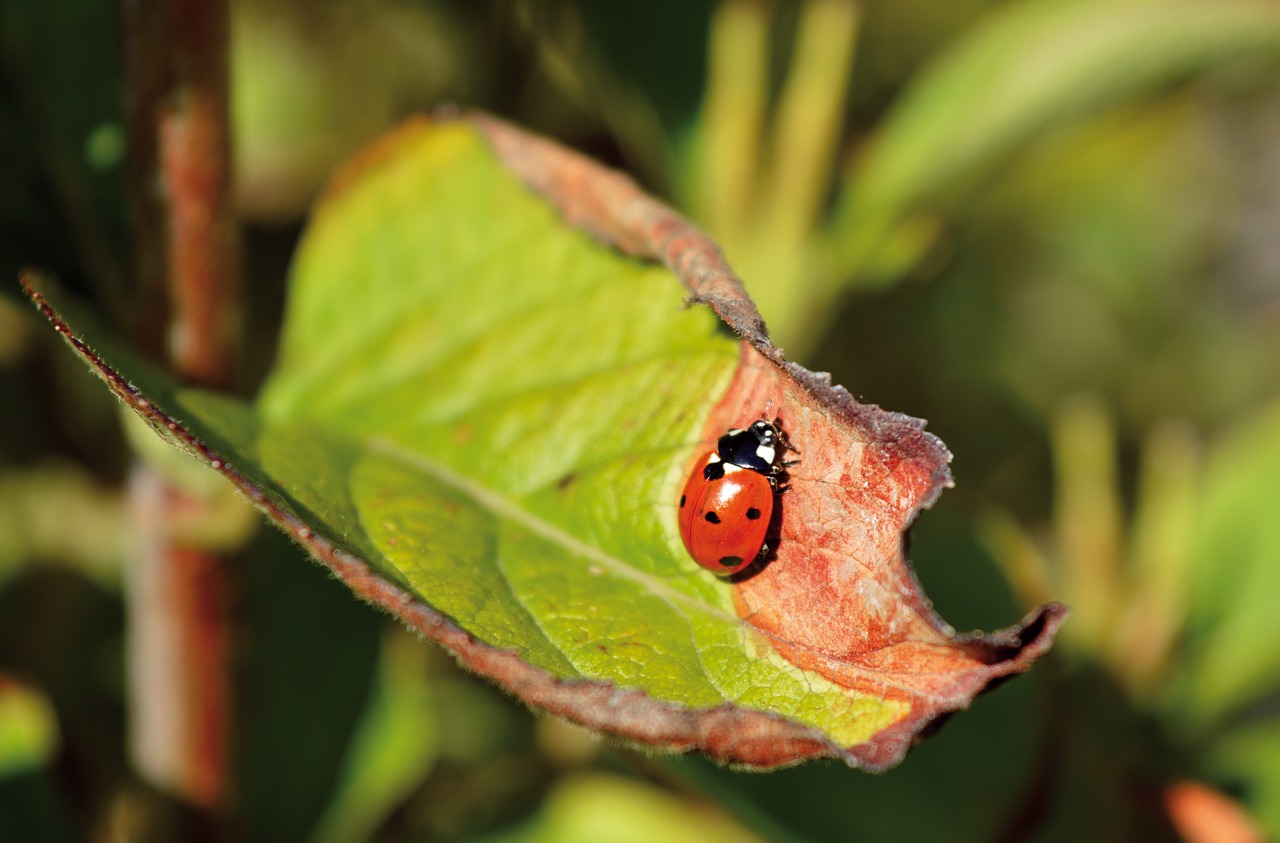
(727, 501)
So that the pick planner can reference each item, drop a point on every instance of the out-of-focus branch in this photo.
(187, 268)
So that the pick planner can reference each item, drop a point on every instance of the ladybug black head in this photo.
(766, 432)
(755, 448)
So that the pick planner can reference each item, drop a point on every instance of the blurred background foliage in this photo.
(1047, 226)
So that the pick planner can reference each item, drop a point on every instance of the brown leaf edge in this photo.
(612, 208)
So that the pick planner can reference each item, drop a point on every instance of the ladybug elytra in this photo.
(728, 500)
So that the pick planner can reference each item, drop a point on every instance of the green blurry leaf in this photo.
(1248, 759)
(608, 809)
(481, 420)
(312, 82)
(37, 504)
(1233, 627)
(1025, 67)
(306, 681)
(28, 728)
(392, 751)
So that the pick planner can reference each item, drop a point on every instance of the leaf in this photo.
(588, 808)
(29, 734)
(1026, 67)
(481, 421)
(393, 750)
(315, 644)
(1233, 630)
(1249, 755)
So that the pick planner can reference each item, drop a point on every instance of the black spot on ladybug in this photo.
(730, 561)
(753, 513)
(682, 501)
(714, 470)
(713, 518)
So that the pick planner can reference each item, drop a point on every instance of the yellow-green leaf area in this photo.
(445, 547)
(495, 413)
(539, 395)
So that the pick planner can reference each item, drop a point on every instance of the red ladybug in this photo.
(727, 501)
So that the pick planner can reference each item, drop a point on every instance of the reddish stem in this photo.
(186, 254)
(195, 159)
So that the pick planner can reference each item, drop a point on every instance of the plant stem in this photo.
(186, 259)
(1157, 591)
(732, 117)
(1087, 517)
(807, 128)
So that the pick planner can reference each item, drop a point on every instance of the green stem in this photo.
(807, 128)
(1087, 518)
(732, 116)
(1157, 586)
(776, 251)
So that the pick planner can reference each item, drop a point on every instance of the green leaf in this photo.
(1233, 629)
(481, 419)
(392, 752)
(1026, 67)
(1249, 755)
(315, 650)
(591, 808)
(29, 734)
